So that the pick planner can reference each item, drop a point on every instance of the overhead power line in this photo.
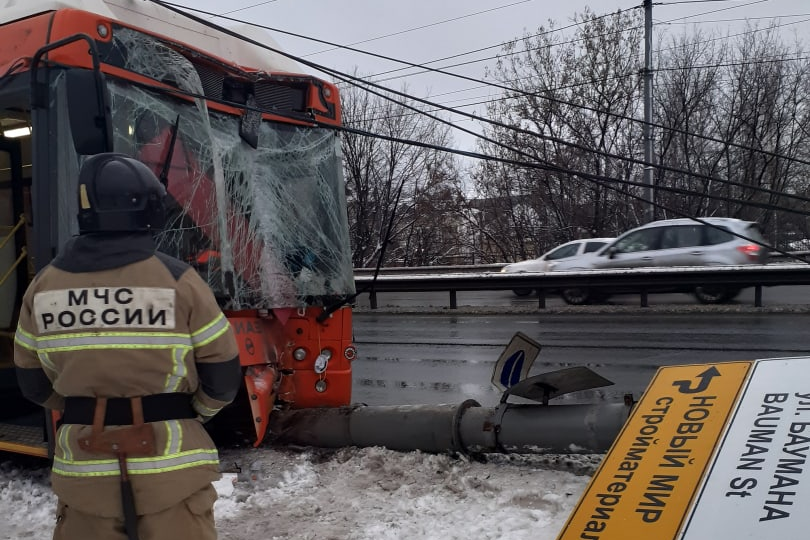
(503, 43)
(575, 85)
(359, 81)
(717, 10)
(563, 142)
(507, 98)
(180, 8)
(541, 164)
(504, 55)
(601, 180)
(247, 7)
(421, 27)
(687, 2)
(555, 44)
(738, 19)
(537, 164)
(733, 64)
(746, 33)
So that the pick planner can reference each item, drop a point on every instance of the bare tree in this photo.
(732, 127)
(402, 198)
(735, 114)
(732, 117)
(564, 110)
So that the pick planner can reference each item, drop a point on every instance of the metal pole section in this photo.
(464, 428)
(649, 193)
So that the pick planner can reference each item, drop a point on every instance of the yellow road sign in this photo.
(647, 481)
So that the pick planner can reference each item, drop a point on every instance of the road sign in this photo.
(648, 479)
(759, 483)
(515, 361)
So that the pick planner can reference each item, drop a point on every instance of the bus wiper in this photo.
(164, 172)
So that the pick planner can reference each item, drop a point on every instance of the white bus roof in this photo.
(154, 18)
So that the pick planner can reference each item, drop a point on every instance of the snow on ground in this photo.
(354, 494)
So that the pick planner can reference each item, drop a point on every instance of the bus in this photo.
(248, 147)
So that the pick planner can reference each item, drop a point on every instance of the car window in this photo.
(754, 231)
(643, 240)
(681, 236)
(717, 236)
(590, 247)
(568, 250)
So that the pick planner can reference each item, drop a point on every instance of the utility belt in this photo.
(156, 408)
(133, 436)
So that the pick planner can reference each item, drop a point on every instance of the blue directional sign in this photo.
(515, 361)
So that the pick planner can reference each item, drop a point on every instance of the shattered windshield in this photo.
(265, 226)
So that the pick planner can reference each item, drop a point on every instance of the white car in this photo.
(546, 261)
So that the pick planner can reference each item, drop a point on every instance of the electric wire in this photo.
(495, 46)
(686, 2)
(602, 180)
(558, 140)
(247, 7)
(492, 122)
(548, 167)
(409, 65)
(555, 168)
(505, 55)
(419, 27)
(558, 43)
(733, 64)
(507, 98)
(717, 10)
(179, 9)
(738, 19)
(739, 34)
(562, 43)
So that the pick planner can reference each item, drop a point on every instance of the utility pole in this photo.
(649, 192)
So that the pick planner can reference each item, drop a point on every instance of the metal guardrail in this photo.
(448, 269)
(643, 280)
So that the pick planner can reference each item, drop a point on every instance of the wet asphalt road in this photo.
(443, 357)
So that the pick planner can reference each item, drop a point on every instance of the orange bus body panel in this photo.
(299, 381)
(22, 38)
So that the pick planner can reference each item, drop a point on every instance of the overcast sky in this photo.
(421, 31)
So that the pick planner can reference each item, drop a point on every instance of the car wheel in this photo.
(522, 292)
(715, 295)
(576, 296)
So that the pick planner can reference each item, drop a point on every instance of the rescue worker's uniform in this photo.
(112, 318)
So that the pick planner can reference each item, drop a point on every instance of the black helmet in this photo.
(119, 194)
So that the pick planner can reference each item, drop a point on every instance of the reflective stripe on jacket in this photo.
(148, 327)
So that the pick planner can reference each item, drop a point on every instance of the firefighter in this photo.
(131, 347)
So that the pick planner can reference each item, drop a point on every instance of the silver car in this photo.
(562, 253)
(676, 242)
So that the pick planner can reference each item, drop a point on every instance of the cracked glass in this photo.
(266, 227)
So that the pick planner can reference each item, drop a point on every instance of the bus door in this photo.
(22, 423)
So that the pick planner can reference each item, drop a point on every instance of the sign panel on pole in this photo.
(759, 483)
(647, 481)
(515, 361)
